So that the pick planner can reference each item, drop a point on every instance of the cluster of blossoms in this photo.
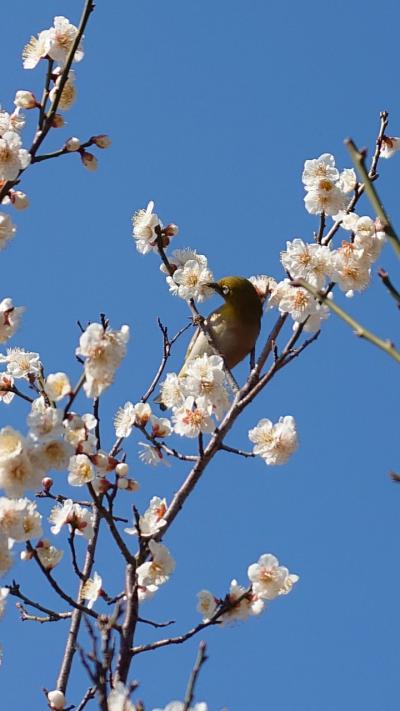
(190, 272)
(275, 443)
(348, 266)
(268, 580)
(156, 572)
(104, 350)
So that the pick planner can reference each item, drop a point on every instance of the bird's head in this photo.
(240, 294)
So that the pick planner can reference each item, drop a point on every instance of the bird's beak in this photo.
(214, 285)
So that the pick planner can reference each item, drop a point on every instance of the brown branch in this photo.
(71, 543)
(167, 345)
(90, 694)
(74, 393)
(26, 617)
(384, 276)
(13, 389)
(225, 448)
(128, 625)
(111, 524)
(200, 659)
(15, 590)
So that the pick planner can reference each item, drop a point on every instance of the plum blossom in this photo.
(57, 386)
(390, 145)
(191, 280)
(81, 470)
(118, 699)
(6, 382)
(159, 569)
(149, 454)
(78, 518)
(92, 590)
(172, 392)
(7, 229)
(130, 415)
(319, 168)
(300, 304)
(275, 443)
(104, 351)
(207, 604)
(13, 158)
(250, 604)
(152, 519)
(269, 579)
(10, 317)
(21, 363)
(263, 285)
(306, 261)
(193, 417)
(44, 422)
(146, 224)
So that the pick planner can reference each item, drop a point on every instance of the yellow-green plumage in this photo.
(235, 325)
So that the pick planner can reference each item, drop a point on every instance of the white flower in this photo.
(145, 592)
(25, 100)
(275, 443)
(13, 158)
(52, 454)
(207, 604)
(3, 597)
(347, 180)
(81, 470)
(56, 699)
(19, 519)
(6, 382)
(300, 304)
(327, 198)
(57, 386)
(145, 226)
(159, 569)
(68, 94)
(160, 426)
(78, 430)
(104, 351)
(12, 444)
(7, 229)
(319, 168)
(130, 415)
(263, 285)
(59, 40)
(390, 145)
(249, 605)
(269, 579)
(348, 220)
(16, 471)
(118, 699)
(191, 281)
(152, 519)
(35, 50)
(306, 261)
(10, 317)
(21, 363)
(91, 589)
(172, 394)
(350, 268)
(49, 555)
(204, 378)
(11, 122)
(151, 455)
(44, 422)
(190, 421)
(78, 518)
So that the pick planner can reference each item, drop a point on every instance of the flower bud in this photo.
(73, 144)
(133, 485)
(123, 483)
(89, 160)
(25, 100)
(171, 230)
(19, 199)
(58, 121)
(56, 699)
(122, 469)
(102, 140)
(47, 483)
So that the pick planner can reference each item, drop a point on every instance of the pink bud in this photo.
(122, 469)
(58, 121)
(47, 483)
(89, 160)
(102, 140)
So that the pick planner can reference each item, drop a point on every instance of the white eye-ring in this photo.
(225, 290)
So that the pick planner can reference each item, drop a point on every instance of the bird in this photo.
(234, 326)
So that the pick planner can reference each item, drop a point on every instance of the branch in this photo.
(358, 158)
(167, 345)
(384, 276)
(51, 614)
(358, 329)
(201, 658)
(13, 389)
(225, 448)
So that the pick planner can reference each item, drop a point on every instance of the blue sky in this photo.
(212, 109)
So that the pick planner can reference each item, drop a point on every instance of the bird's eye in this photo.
(225, 290)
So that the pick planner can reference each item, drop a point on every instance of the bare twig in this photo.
(384, 276)
(15, 590)
(200, 659)
(225, 448)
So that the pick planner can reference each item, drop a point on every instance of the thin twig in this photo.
(13, 389)
(384, 276)
(15, 590)
(225, 448)
(200, 659)
(90, 694)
